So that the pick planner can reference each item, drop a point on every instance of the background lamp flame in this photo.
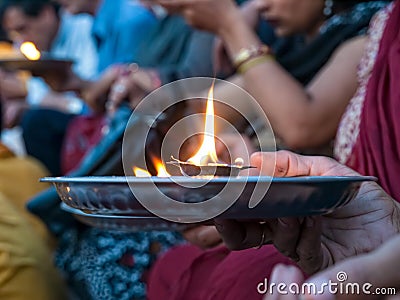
(30, 51)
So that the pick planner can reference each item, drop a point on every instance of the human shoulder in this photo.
(352, 48)
(77, 22)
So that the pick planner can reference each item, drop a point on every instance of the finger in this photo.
(203, 236)
(287, 164)
(218, 52)
(309, 250)
(283, 276)
(119, 92)
(286, 235)
(243, 235)
(370, 272)
(209, 237)
(173, 6)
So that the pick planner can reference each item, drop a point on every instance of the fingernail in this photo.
(317, 297)
(310, 222)
(322, 291)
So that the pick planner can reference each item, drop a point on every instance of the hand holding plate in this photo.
(319, 241)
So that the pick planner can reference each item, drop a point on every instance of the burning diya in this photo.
(209, 169)
(209, 188)
(205, 162)
(29, 58)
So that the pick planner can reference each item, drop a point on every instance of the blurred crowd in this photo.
(322, 71)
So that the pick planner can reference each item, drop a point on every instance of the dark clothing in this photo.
(43, 127)
(303, 61)
(177, 51)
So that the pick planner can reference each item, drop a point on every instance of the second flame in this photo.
(161, 170)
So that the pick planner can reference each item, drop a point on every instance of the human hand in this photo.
(12, 85)
(13, 111)
(317, 242)
(207, 15)
(250, 12)
(230, 146)
(132, 86)
(371, 272)
(202, 236)
(95, 93)
(221, 60)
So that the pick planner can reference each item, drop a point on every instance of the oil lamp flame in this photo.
(161, 170)
(207, 153)
(139, 172)
(30, 51)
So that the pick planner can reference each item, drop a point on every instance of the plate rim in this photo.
(183, 179)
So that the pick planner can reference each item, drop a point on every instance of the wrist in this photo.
(231, 24)
(238, 35)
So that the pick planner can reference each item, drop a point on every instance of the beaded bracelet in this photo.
(246, 54)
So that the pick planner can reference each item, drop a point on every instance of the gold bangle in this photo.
(243, 68)
(246, 54)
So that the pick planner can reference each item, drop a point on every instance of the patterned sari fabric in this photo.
(368, 139)
(102, 265)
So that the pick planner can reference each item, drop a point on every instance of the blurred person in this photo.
(26, 266)
(295, 50)
(115, 42)
(315, 110)
(119, 27)
(54, 33)
(60, 36)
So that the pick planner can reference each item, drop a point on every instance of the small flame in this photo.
(139, 172)
(161, 170)
(207, 153)
(30, 51)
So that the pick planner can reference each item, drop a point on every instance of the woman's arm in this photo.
(302, 117)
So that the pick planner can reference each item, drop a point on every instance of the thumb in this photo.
(373, 274)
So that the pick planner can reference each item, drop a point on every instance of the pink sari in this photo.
(376, 150)
(190, 273)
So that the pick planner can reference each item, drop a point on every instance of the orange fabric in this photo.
(26, 260)
(19, 181)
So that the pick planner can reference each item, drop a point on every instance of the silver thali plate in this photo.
(123, 223)
(289, 196)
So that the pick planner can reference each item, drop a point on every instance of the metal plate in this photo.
(35, 66)
(291, 196)
(121, 223)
